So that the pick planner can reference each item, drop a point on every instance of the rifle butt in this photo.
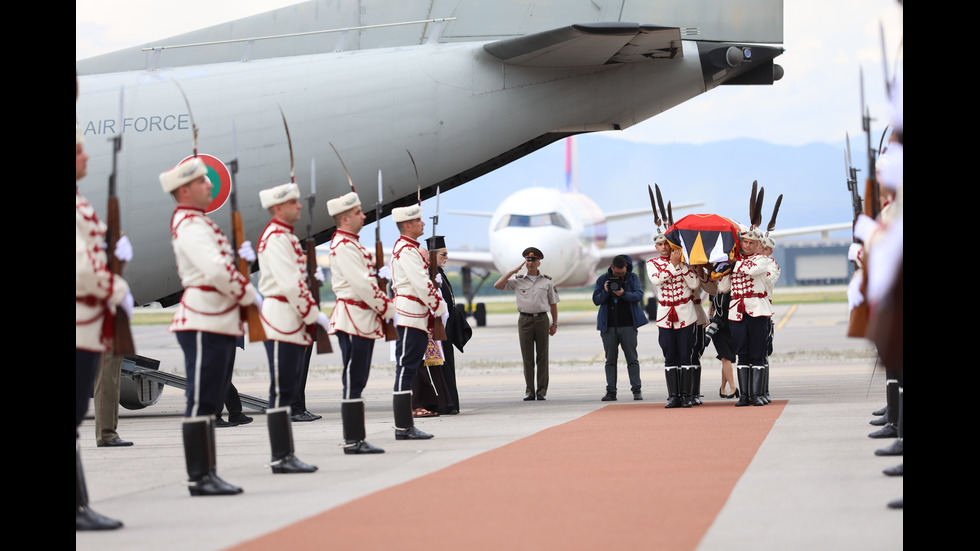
(122, 339)
(391, 332)
(857, 325)
(322, 341)
(438, 331)
(256, 333)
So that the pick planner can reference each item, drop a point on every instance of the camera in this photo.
(614, 283)
(709, 332)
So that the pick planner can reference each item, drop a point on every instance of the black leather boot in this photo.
(199, 454)
(86, 518)
(404, 422)
(686, 382)
(744, 376)
(758, 384)
(673, 388)
(352, 416)
(284, 460)
(696, 386)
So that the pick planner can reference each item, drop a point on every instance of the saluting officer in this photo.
(417, 301)
(98, 293)
(536, 296)
(358, 319)
(677, 287)
(749, 312)
(208, 319)
(288, 312)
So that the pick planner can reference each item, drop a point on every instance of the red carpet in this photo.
(625, 475)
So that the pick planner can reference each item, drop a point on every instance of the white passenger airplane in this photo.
(568, 227)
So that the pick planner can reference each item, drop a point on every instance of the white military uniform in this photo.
(415, 294)
(749, 285)
(214, 290)
(676, 287)
(362, 307)
(96, 288)
(288, 307)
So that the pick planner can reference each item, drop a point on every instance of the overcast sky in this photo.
(827, 45)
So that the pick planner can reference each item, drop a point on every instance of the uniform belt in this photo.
(684, 300)
(358, 303)
(532, 315)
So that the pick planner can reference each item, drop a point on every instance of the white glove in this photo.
(318, 274)
(445, 317)
(865, 227)
(257, 301)
(124, 249)
(323, 321)
(245, 252)
(854, 251)
(854, 296)
(384, 272)
(127, 304)
(439, 279)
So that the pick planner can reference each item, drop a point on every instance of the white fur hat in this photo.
(768, 242)
(752, 233)
(184, 173)
(279, 194)
(403, 214)
(343, 203)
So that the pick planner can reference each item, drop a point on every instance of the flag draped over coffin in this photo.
(705, 238)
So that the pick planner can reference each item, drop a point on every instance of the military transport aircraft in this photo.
(465, 86)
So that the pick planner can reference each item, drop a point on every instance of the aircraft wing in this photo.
(612, 216)
(472, 259)
(584, 45)
(821, 229)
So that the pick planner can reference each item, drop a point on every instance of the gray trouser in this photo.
(614, 338)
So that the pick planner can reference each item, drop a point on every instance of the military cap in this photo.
(343, 203)
(184, 173)
(278, 195)
(533, 252)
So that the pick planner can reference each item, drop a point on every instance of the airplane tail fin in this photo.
(571, 165)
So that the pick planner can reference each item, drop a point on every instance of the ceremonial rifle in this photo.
(850, 174)
(438, 330)
(391, 332)
(858, 322)
(122, 335)
(320, 334)
(250, 314)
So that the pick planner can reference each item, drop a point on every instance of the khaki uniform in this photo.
(534, 299)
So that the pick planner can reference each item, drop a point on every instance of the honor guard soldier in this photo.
(417, 301)
(288, 312)
(677, 287)
(772, 276)
(749, 312)
(358, 319)
(98, 293)
(536, 295)
(208, 319)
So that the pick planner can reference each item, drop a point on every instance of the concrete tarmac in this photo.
(815, 483)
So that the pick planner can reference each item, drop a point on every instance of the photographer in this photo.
(618, 295)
